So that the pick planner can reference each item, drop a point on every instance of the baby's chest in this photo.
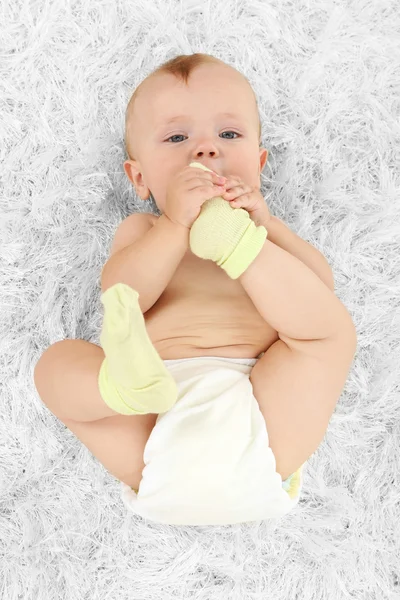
(207, 288)
(203, 303)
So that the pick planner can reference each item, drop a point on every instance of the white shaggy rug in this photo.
(327, 78)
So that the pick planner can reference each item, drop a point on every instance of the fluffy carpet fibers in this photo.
(327, 79)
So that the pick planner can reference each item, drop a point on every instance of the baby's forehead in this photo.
(150, 105)
(228, 79)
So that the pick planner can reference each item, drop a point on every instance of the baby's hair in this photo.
(181, 67)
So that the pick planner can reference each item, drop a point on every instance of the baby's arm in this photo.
(149, 259)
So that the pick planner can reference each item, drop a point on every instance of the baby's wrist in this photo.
(177, 228)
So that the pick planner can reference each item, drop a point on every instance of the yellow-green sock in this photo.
(133, 379)
(226, 235)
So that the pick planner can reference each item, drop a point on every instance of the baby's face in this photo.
(177, 123)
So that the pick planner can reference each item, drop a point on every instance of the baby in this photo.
(222, 355)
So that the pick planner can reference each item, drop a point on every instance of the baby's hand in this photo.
(241, 195)
(187, 191)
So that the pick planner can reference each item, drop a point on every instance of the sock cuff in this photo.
(109, 392)
(246, 251)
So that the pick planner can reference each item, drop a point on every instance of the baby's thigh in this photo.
(118, 442)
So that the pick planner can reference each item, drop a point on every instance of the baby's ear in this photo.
(128, 168)
(132, 170)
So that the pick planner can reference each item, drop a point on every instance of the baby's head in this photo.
(195, 91)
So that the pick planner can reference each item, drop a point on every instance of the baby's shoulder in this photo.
(152, 218)
(147, 216)
(140, 217)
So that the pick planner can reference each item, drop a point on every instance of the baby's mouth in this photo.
(200, 165)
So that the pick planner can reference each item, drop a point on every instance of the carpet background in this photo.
(327, 79)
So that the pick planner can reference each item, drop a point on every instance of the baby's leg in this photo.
(131, 378)
(94, 391)
(66, 378)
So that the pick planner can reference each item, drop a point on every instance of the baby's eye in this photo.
(231, 132)
(181, 135)
(174, 136)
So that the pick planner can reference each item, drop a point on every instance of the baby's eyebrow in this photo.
(188, 118)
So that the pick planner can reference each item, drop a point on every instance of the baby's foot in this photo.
(133, 378)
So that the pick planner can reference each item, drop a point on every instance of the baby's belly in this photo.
(185, 336)
(185, 348)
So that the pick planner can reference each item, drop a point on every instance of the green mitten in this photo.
(226, 235)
